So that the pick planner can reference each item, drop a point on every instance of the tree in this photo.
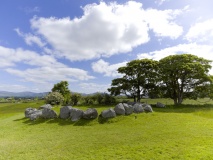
(98, 97)
(139, 78)
(62, 87)
(181, 74)
(75, 97)
(54, 98)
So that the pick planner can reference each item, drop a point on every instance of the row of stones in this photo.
(68, 112)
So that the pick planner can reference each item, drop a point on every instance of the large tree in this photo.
(181, 74)
(62, 87)
(139, 78)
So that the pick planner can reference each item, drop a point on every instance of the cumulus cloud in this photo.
(49, 74)
(30, 39)
(205, 51)
(201, 32)
(93, 87)
(109, 70)
(161, 23)
(43, 68)
(10, 57)
(105, 29)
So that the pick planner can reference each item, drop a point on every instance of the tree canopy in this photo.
(62, 87)
(139, 77)
(177, 77)
(181, 74)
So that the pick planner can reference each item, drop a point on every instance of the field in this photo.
(175, 132)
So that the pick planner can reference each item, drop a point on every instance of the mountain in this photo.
(22, 94)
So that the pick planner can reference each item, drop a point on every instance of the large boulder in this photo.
(35, 115)
(110, 113)
(49, 106)
(160, 105)
(65, 112)
(29, 111)
(76, 114)
(147, 108)
(128, 109)
(48, 113)
(90, 113)
(119, 109)
(138, 108)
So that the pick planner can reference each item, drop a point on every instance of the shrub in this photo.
(54, 98)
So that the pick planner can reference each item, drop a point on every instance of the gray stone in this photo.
(119, 109)
(147, 108)
(35, 115)
(128, 109)
(65, 112)
(138, 108)
(29, 111)
(48, 113)
(90, 113)
(49, 106)
(131, 103)
(110, 113)
(160, 105)
(76, 114)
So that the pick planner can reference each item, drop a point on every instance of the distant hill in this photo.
(22, 94)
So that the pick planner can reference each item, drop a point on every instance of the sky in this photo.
(84, 42)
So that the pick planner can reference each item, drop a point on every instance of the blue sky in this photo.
(85, 41)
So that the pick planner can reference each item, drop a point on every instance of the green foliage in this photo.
(183, 76)
(98, 97)
(108, 99)
(54, 98)
(88, 100)
(75, 97)
(139, 78)
(62, 87)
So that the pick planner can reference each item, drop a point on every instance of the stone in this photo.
(76, 114)
(138, 108)
(131, 103)
(29, 111)
(119, 109)
(49, 106)
(35, 115)
(90, 113)
(110, 113)
(65, 112)
(48, 113)
(160, 105)
(147, 108)
(128, 109)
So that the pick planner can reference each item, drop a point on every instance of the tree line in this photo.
(62, 95)
(176, 76)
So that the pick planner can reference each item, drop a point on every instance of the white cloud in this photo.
(201, 32)
(46, 68)
(93, 87)
(160, 2)
(12, 87)
(205, 51)
(108, 70)
(161, 22)
(49, 74)
(30, 39)
(105, 30)
(10, 57)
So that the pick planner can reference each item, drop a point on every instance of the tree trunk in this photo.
(175, 101)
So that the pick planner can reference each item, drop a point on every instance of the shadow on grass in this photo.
(61, 122)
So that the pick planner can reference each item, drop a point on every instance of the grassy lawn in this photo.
(182, 132)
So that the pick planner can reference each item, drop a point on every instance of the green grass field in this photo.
(175, 132)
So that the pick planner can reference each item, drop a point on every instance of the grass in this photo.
(182, 132)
